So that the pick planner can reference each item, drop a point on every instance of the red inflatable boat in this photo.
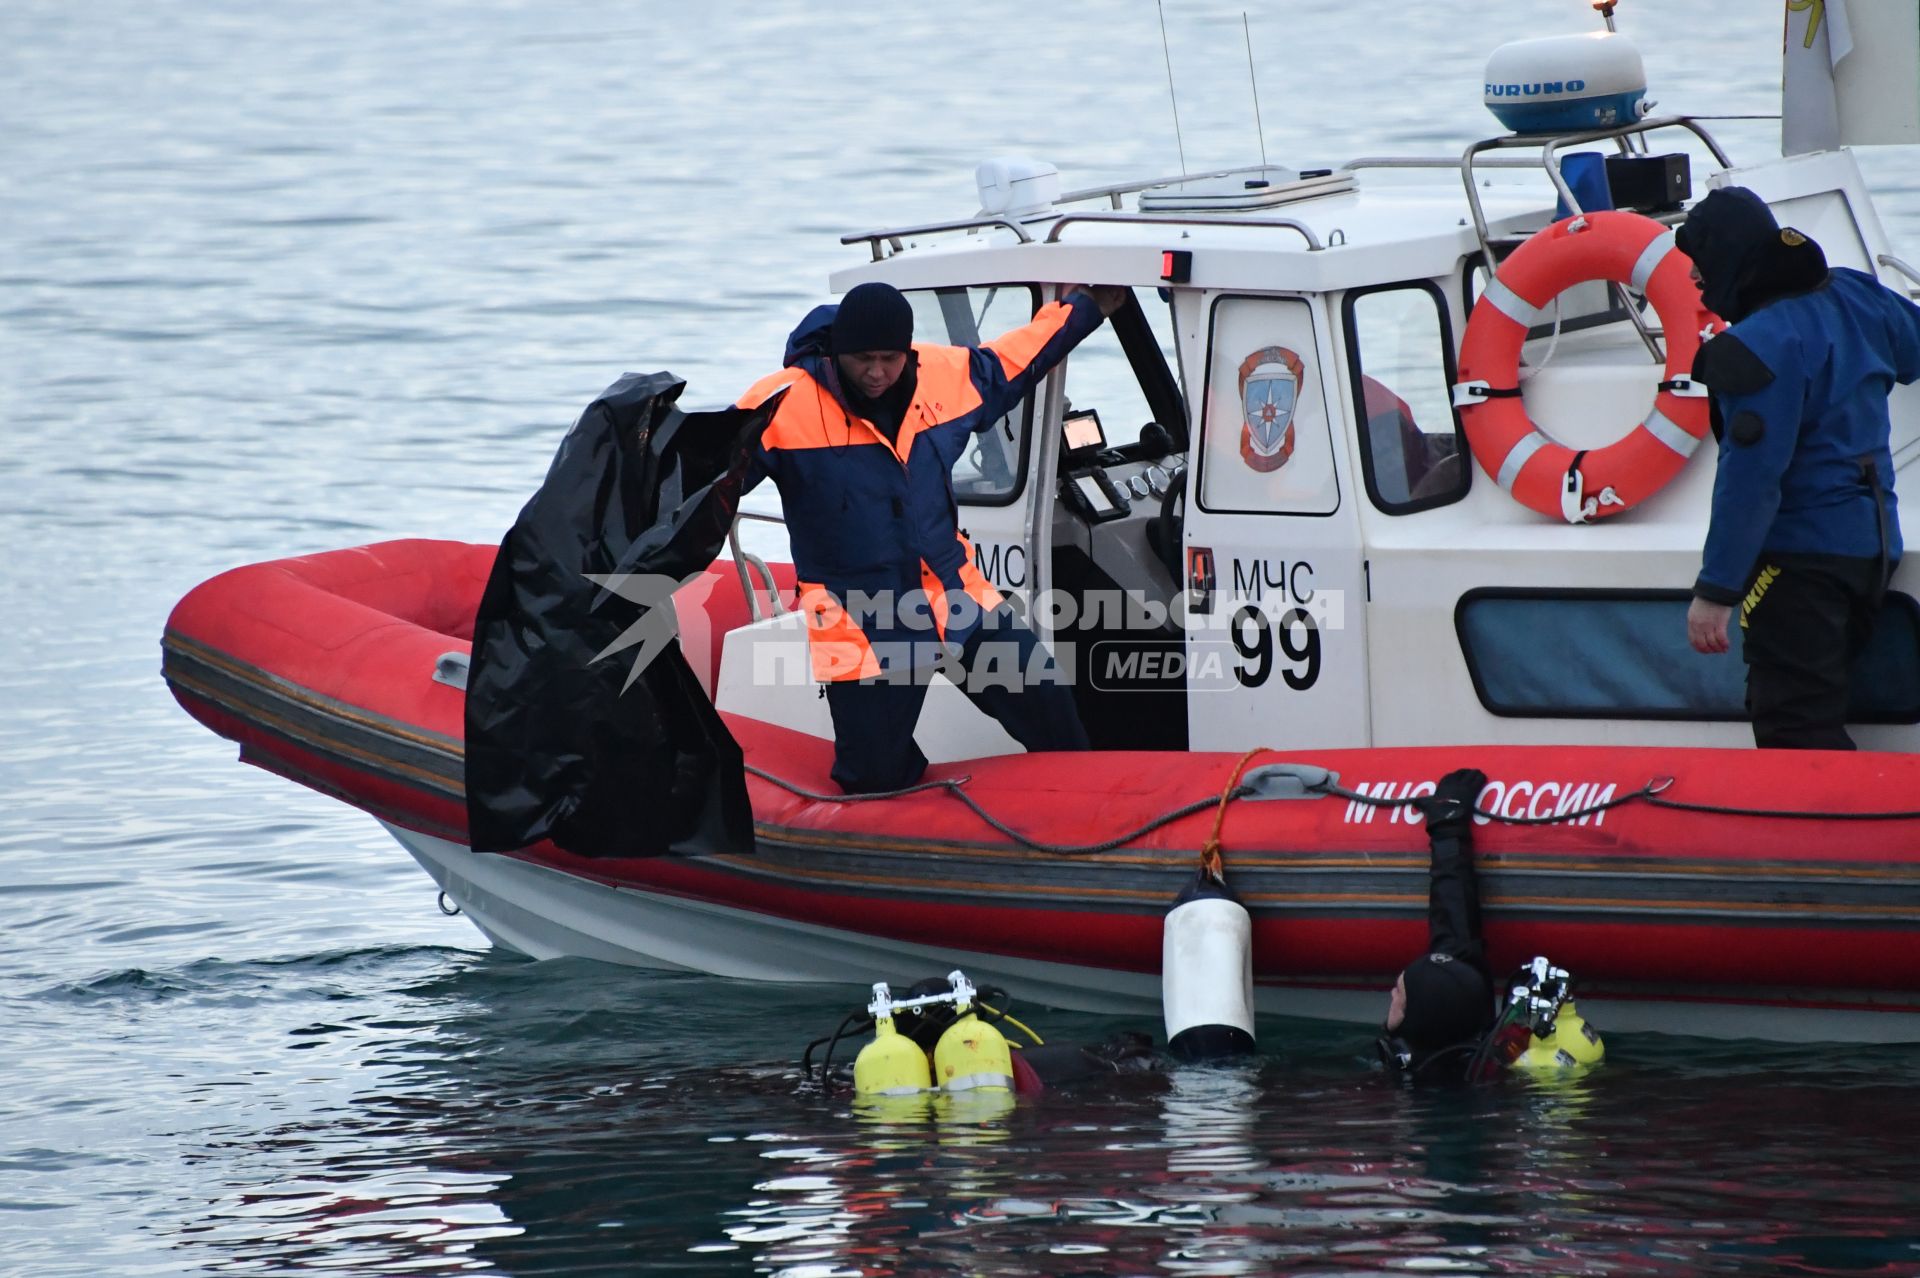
(1685, 899)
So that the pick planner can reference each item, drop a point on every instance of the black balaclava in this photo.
(1744, 257)
(876, 317)
(1448, 1002)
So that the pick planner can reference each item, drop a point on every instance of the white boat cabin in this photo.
(1374, 586)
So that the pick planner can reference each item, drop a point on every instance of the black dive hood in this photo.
(1744, 257)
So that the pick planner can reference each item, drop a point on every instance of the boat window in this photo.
(1266, 444)
(1123, 371)
(992, 467)
(1623, 654)
(1588, 304)
(1413, 455)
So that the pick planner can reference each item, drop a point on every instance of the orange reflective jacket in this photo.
(874, 523)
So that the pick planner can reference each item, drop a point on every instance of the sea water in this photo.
(280, 278)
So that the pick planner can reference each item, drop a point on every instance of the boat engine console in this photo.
(1102, 485)
(1117, 507)
(1116, 530)
(1085, 486)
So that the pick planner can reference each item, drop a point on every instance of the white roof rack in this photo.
(1264, 189)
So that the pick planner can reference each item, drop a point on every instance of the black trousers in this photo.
(1807, 619)
(874, 719)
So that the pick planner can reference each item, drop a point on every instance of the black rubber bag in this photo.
(609, 753)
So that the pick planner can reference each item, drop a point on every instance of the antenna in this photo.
(1254, 80)
(1173, 97)
(1605, 9)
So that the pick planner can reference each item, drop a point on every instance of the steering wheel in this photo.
(1166, 529)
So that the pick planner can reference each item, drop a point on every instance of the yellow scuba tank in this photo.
(971, 1054)
(970, 1118)
(1570, 1044)
(892, 1064)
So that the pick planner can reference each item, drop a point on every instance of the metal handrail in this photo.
(1905, 268)
(877, 241)
(1550, 148)
(1431, 162)
(875, 238)
(1118, 189)
(1114, 191)
(746, 565)
(1306, 232)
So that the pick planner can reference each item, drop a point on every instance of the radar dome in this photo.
(1567, 84)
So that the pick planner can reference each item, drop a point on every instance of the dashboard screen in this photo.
(1082, 430)
(1096, 496)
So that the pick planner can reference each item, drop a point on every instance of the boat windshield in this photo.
(1113, 370)
(990, 469)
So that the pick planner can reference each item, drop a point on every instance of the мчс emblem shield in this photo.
(1269, 391)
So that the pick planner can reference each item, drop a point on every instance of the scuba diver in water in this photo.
(1442, 1004)
(1441, 1023)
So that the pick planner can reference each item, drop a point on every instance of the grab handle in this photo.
(451, 669)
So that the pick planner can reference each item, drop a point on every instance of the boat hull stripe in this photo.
(1274, 882)
(179, 651)
(282, 710)
(1628, 891)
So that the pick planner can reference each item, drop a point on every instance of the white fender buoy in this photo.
(1206, 973)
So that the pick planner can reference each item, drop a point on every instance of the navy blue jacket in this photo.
(1790, 477)
(871, 516)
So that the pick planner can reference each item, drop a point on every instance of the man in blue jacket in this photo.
(862, 446)
(1804, 532)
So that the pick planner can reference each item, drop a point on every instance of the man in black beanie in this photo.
(862, 446)
(1442, 1005)
(1805, 532)
(872, 342)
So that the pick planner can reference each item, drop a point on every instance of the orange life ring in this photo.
(1546, 476)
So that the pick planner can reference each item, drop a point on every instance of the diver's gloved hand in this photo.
(1449, 809)
(1125, 1051)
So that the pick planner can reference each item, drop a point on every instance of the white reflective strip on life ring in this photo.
(1517, 458)
(1511, 304)
(1668, 432)
(1649, 260)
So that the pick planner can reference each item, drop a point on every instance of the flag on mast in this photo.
(1850, 74)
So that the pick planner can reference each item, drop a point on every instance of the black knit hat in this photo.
(872, 317)
(1448, 1002)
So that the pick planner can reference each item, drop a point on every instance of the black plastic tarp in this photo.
(585, 725)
